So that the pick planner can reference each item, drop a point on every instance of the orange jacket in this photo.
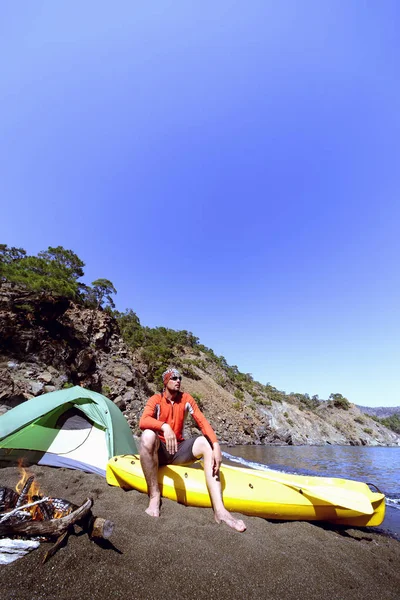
(159, 410)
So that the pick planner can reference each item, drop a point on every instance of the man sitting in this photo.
(162, 443)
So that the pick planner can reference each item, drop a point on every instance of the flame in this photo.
(34, 490)
(33, 494)
(58, 514)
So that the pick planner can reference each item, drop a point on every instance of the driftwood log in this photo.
(51, 528)
(17, 520)
(63, 538)
(97, 528)
(100, 529)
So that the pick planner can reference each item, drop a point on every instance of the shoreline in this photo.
(377, 465)
(185, 554)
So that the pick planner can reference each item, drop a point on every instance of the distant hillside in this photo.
(243, 410)
(382, 412)
(387, 416)
(47, 343)
(56, 332)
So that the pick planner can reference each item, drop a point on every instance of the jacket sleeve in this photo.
(201, 421)
(148, 420)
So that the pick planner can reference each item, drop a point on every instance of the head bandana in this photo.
(166, 376)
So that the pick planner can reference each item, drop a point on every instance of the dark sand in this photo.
(184, 554)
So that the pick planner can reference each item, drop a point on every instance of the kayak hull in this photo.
(252, 492)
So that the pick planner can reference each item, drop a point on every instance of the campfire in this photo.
(28, 503)
(26, 512)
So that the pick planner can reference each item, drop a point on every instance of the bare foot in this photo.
(229, 520)
(154, 507)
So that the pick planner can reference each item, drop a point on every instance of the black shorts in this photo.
(183, 456)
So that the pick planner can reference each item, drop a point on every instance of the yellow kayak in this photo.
(268, 494)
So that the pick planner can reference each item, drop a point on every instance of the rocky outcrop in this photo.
(257, 420)
(47, 343)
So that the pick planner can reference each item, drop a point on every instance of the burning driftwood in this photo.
(29, 514)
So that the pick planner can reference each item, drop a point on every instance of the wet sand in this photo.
(185, 554)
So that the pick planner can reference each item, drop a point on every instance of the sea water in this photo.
(377, 465)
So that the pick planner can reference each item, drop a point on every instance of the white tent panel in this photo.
(84, 449)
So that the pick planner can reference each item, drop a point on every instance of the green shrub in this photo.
(368, 430)
(67, 385)
(340, 401)
(262, 401)
(201, 364)
(237, 405)
(310, 403)
(220, 380)
(343, 403)
(359, 420)
(274, 394)
(24, 306)
(196, 362)
(106, 390)
(188, 372)
(239, 395)
(248, 387)
(199, 400)
(392, 422)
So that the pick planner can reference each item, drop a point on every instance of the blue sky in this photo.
(232, 168)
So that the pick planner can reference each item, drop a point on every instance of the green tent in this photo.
(74, 428)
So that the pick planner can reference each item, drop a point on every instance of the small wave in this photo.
(394, 502)
(246, 463)
(262, 467)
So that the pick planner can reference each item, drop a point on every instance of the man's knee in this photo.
(149, 441)
(201, 447)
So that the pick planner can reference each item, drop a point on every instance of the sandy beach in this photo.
(184, 554)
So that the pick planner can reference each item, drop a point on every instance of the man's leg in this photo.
(149, 444)
(201, 448)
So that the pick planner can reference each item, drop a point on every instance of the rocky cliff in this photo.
(258, 419)
(47, 343)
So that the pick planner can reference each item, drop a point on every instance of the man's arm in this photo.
(171, 443)
(147, 420)
(217, 458)
(202, 422)
(208, 432)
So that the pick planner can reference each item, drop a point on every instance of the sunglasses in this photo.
(176, 378)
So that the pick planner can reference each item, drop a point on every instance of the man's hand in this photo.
(170, 438)
(216, 459)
